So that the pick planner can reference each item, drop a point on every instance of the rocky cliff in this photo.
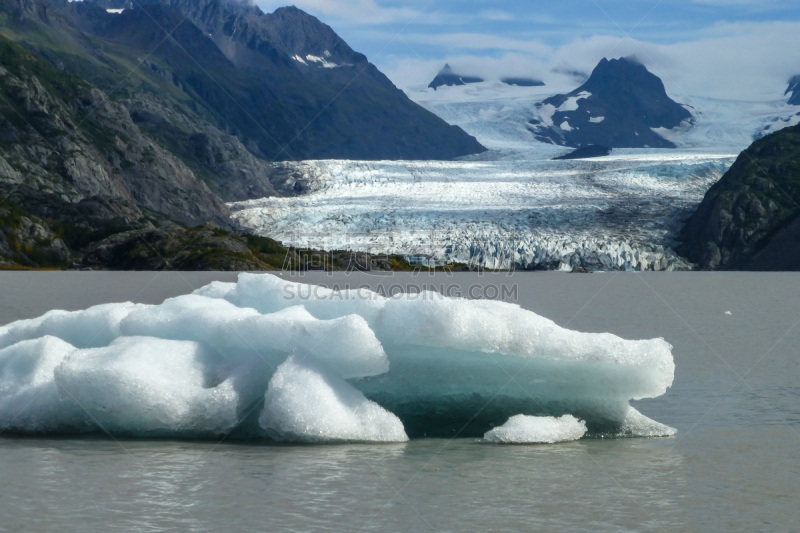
(750, 219)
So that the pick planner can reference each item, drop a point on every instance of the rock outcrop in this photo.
(750, 219)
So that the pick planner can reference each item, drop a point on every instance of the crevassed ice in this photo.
(523, 429)
(269, 358)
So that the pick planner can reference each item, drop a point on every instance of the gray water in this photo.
(734, 465)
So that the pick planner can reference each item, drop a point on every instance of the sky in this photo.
(735, 49)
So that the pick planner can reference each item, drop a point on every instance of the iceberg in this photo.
(273, 359)
(523, 429)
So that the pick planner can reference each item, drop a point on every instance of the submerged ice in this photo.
(269, 358)
(523, 429)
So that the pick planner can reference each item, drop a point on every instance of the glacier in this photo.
(614, 213)
(269, 358)
(512, 207)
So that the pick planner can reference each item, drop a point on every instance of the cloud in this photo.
(474, 41)
(696, 46)
(746, 61)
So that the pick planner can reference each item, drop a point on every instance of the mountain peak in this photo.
(623, 73)
(448, 77)
(619, 106)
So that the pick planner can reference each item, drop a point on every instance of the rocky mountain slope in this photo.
(794, 90)
(750, 219)
(214, 79)
(60, 135)
(619, 106)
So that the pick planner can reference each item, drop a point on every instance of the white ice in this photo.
(29, 399)
(352, 363)
(638, 425)
(619, 212)
(307, 403)
(522, 429)
(144, 386)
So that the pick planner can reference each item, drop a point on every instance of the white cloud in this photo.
(748, 61)
(476, 41)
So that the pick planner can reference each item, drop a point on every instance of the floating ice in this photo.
(345, 343)
(267, 357)
(638, 425)
(523, 429)
(94, 327)
(142, 386)
(306, 403)
(29, 399)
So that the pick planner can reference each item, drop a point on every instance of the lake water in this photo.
(733, 466)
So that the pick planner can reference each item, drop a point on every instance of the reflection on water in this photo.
(424, 485)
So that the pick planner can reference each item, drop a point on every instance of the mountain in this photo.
(619, 106)
(448, 78)
(283, 84)
(750, 219)
(523, 82)
(794, 89)
(119, 117)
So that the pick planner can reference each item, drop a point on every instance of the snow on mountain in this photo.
(498, 115)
